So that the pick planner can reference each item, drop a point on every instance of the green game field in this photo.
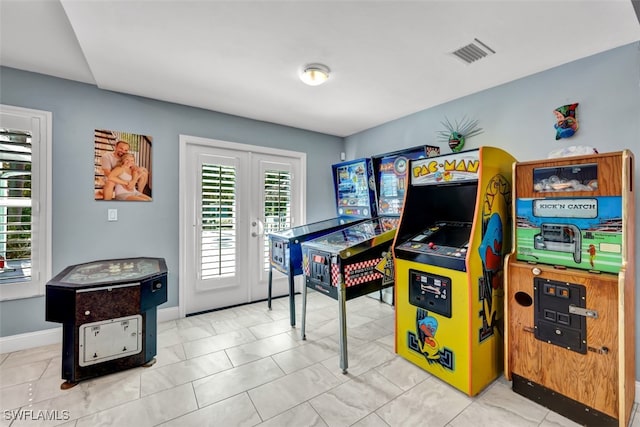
(608, 251)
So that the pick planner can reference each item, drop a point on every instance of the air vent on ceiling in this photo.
(473, 51)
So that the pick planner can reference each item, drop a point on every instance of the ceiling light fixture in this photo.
(314, 74)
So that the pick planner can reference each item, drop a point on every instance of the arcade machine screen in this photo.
(443, 233)
(353, 184)
(393, 180)
(438, 203)
(112, 271)
(392, 185)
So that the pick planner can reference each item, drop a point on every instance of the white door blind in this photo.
(15, 206)
(277, 205)
(218, 219)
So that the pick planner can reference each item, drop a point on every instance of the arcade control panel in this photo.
(444, 244)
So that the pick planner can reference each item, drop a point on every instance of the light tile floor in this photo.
(246, 366)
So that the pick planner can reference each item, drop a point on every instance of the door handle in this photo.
(260, 225)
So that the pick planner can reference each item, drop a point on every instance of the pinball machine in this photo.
(355, 201)
(449, 252)
(357, 260)
(347, 264)
(108, 311)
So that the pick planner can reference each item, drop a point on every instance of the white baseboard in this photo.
(166, 314)
(28, 340)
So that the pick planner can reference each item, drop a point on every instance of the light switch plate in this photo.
(112, 214)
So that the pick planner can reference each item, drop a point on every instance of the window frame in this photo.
(39, 123)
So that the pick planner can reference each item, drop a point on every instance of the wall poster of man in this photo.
(122, 163)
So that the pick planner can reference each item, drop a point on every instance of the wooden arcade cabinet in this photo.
(570, 287)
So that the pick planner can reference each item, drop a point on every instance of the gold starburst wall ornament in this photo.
(456, 134)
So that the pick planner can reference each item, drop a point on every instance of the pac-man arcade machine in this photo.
(449, 252)
(355, 201)
(570, 287)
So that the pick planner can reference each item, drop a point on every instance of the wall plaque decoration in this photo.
(566, 122)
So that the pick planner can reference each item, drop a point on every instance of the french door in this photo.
(232, 196)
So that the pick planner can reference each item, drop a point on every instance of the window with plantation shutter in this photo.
(15, 205)
(218, 219)
(277, 206)
(25, 141)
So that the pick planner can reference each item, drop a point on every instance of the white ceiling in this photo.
(388, 58)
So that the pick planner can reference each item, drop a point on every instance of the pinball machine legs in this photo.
(292, 294)
(342, 314)
(270, 287)
(292, 298)
(304, 312)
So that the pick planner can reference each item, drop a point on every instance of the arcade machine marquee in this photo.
(449, 249)
(108, 311)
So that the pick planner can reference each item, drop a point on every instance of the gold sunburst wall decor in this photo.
(457, 132)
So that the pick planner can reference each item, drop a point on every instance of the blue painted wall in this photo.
(81, 232)
(518, 117)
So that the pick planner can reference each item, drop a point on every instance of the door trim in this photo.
(184, 169)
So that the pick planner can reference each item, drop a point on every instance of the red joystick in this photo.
(431, 245)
